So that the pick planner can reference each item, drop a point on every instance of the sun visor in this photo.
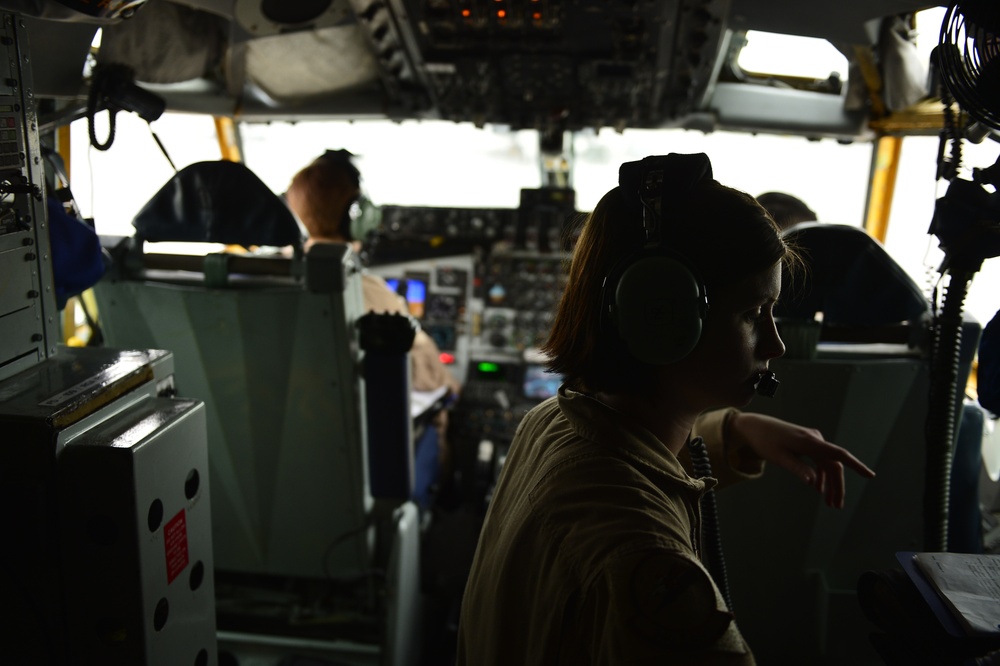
(166, 43)
(301, 65)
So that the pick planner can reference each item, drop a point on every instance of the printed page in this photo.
(421, 401)
(969, 584)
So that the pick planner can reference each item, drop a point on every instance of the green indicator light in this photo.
(486, 366)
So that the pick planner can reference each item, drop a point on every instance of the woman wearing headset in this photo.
(590, 552)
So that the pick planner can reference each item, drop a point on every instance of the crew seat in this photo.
(849, 278)
(316, 542)
(862, 377)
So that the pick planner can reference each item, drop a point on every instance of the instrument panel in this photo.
(485, 284)
(551, 63)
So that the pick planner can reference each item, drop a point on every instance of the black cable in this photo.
(163, 148)
(113, 87)
(951, 135)
(941, 412)
(93, 101)
(711, 537)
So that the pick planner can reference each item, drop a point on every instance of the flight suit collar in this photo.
(602, 425)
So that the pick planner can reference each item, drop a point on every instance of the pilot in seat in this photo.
(322, 194)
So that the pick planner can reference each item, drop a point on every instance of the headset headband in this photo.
(344, 159)
(646, 183)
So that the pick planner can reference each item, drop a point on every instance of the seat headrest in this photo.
(217, 202)
(849, 277)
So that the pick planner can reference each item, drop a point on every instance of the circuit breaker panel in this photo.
(28, 321)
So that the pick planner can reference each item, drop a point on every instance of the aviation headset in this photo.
(344, 159)
(654, 298)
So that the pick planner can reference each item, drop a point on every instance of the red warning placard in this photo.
(175, 543)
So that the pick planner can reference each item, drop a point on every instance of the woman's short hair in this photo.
(722, 232)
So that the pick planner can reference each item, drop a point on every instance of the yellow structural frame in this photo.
(229, 145)
(882, 185)
(922, 119)
(69, 327)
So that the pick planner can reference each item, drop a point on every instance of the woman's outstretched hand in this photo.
(802, 451)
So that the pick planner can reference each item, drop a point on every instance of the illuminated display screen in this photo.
(538, 383)
(414, 291)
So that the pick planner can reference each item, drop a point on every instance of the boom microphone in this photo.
(768, 385)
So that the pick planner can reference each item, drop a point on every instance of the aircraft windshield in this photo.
(447, 164)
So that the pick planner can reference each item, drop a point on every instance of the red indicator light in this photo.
(446, 358)
(537, 16)
(501, 14)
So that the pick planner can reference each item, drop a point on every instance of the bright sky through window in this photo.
(789, 55)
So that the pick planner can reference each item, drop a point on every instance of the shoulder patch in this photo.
(674, 600)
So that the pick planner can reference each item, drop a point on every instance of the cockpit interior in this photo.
(234, 468)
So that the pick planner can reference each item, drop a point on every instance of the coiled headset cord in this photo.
(711, 538)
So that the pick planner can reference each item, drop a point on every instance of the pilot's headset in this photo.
(344, 160)
(654, 298)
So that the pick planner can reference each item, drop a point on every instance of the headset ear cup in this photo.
(659, 306)
(367, 219)
(347, 221)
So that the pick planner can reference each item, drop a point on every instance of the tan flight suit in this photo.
(590, 549)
